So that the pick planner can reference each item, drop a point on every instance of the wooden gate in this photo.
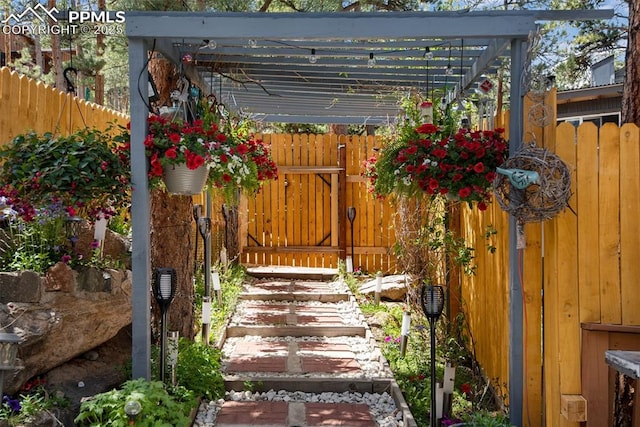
(300, 219)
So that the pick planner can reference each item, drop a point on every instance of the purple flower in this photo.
(95, 244)
(14, 404)
(66, 258)
(446, 421)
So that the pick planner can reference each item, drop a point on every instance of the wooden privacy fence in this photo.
(580, 281)
(29, 105)
(300, 219)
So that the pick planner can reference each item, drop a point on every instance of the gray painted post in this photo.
(140, 213)
(516, 374)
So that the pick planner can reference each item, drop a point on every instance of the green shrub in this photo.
(198, 369)
(159, 407)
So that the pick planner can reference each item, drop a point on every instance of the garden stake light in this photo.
(72, 230)
(172, 347)
(217, 288)
(404, 334)
(132, 408)
(164, 289)
(197, 213)
(432, 301)
(351, 216)
(8, 351)
(206, 318)
(204, 228)
(447, 388)
(378, 288)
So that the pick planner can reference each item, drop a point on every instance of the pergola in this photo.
(342, 68)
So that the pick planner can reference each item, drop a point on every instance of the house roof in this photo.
(260, 62)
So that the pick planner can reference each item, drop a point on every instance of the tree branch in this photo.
(265, 6)
(245, 82)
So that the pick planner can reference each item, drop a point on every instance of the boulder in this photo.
(393, 288)
(64, 325)
(115, 246)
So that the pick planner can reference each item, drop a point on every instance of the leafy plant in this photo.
(236, 160)
(231, 281)
(82, 171)
(429, 158)
(198, 369)
(159, 408)
(23, 409)
(487, 419)
(35, 244)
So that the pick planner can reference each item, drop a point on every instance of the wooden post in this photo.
(342, 196)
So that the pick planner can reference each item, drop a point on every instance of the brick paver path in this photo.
(294, 356)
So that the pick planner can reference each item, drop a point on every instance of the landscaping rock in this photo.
(393, 288)
(94, 280)
(22, 286)
(115, 246)
(59, 278)
(65, 325)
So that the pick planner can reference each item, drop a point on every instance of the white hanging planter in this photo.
(179, 179)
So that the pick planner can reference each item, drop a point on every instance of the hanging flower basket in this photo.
(179, 179)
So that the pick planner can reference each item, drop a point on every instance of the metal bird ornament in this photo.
(520, 178)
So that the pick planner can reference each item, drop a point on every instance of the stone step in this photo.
(296, 331)
(290, 409)
(293, 273)
(293, 290)
(321, 357)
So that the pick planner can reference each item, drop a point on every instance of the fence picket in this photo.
(629, 235)
(609, 223)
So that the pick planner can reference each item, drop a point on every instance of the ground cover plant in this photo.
(474, 402)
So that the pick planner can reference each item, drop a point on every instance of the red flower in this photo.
(465, 388)
(194, 161)
(441, 153)
(464, 192)
(174, 137)
(427, 128)
(148, 141)
(482, 206)
(478, 167)
(171, 153)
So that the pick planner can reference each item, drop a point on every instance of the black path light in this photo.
(197, 213)
(432, 301)
(72, 227)
(204, 228)
(351, 216)
(164, 289)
